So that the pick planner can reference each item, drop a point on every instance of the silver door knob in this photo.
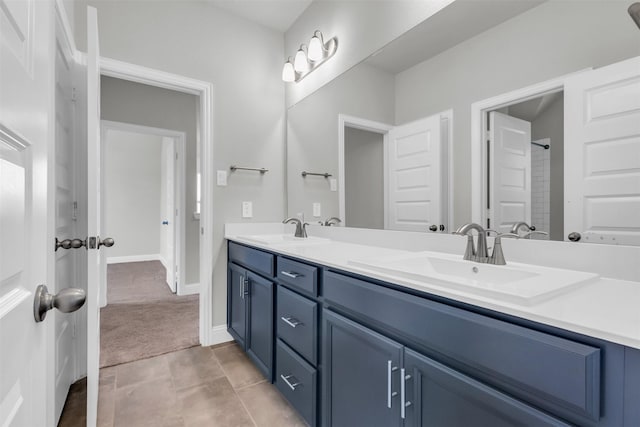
(67, 301)
(433, 227)
(70, 243)
(574, 236)
(108, 242)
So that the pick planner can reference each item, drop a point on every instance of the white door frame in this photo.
(205, 91)
(479, 135)
(180, 219)
(370, 126)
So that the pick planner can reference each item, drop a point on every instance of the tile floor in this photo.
(199, 386)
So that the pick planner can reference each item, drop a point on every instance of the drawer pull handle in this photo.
(291, 321)
(404, 404)
(291, 274)
(390, 393)
(295, 384)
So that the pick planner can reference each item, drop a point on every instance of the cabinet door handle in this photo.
(403, 403)
(291, 274)
(390, 393)
(291, 321)
(242, 287)
(293, 386)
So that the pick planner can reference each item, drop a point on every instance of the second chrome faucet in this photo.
(479, 252)
(301, 227)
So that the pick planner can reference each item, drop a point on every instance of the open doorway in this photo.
(525, 166)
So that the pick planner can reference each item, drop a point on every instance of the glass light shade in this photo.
(288, 73)
(316, 48)
(300, 63)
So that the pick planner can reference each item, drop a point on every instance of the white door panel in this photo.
(65, 226)
(602, 154)
(26, 242)
(414, 175)
(94, 211)
(510, 171)
(167, 202)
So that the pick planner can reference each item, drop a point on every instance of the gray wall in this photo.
(132, 192)
(364, 178)
(550, 124)
(312, 133)
(546, 42)
(129, 102)
(244, 62)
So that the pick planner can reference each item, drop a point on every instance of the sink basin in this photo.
(283, 239)
(522, 284)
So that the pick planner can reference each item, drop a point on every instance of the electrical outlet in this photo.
(222, 178)
(247, 210)
(316, 210)
(333, 183)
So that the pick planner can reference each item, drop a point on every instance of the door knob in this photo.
(165, 222)
(108, 242)
(67, 301)
(433, 227)
(70, 243)
(441, 227)
(574, 236)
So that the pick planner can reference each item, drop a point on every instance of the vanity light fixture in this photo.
(288, 72)
(301, 63)
(308, 59)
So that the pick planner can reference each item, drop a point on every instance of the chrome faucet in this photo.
(473, 253)
(529, 229)
(301, 228)
(332, 221)
(481, 253)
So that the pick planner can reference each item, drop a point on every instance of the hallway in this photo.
(143, 317)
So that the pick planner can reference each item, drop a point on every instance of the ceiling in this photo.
(275, 14)
(454, 24)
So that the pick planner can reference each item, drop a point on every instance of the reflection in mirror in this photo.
(468, 53)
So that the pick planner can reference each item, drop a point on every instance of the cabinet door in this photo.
(260, 326)
(441, 396)
(236, 303)
(361, 375)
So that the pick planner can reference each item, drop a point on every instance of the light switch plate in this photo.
(334, 184)
(316, 210)
(222, 178)
(247, 210)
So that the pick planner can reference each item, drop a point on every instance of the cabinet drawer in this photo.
(296, 380)
(297, 323)
(546, 370)
(301, 276)
(253, 259)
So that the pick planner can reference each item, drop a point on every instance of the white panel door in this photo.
(168, 214)
(94, 211)
(65, 221)
(414, 176)
(509, 171)
(602, 154)
(26, 231)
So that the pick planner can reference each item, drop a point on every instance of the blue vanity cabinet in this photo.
(236, 303)
(436, 395)
(361, 381)
(250, 304)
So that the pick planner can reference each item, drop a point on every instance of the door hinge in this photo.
(74, 211)
(74, 95)
(176, 156)
(176, 212)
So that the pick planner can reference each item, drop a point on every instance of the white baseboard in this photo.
(133, 258)
(219, 335)
(189, 289)
(163, 261)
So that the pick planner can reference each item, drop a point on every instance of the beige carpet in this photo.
(143, 318)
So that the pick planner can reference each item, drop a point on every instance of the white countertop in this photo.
(607, 309)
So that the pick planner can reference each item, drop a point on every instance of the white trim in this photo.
(133, 258)
(345, 120)
(190, 289)
(448, 190)
(220, 335)
(478, 134)
(61, 13)
(205, 91)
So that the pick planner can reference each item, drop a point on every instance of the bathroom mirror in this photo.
(388, 144)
